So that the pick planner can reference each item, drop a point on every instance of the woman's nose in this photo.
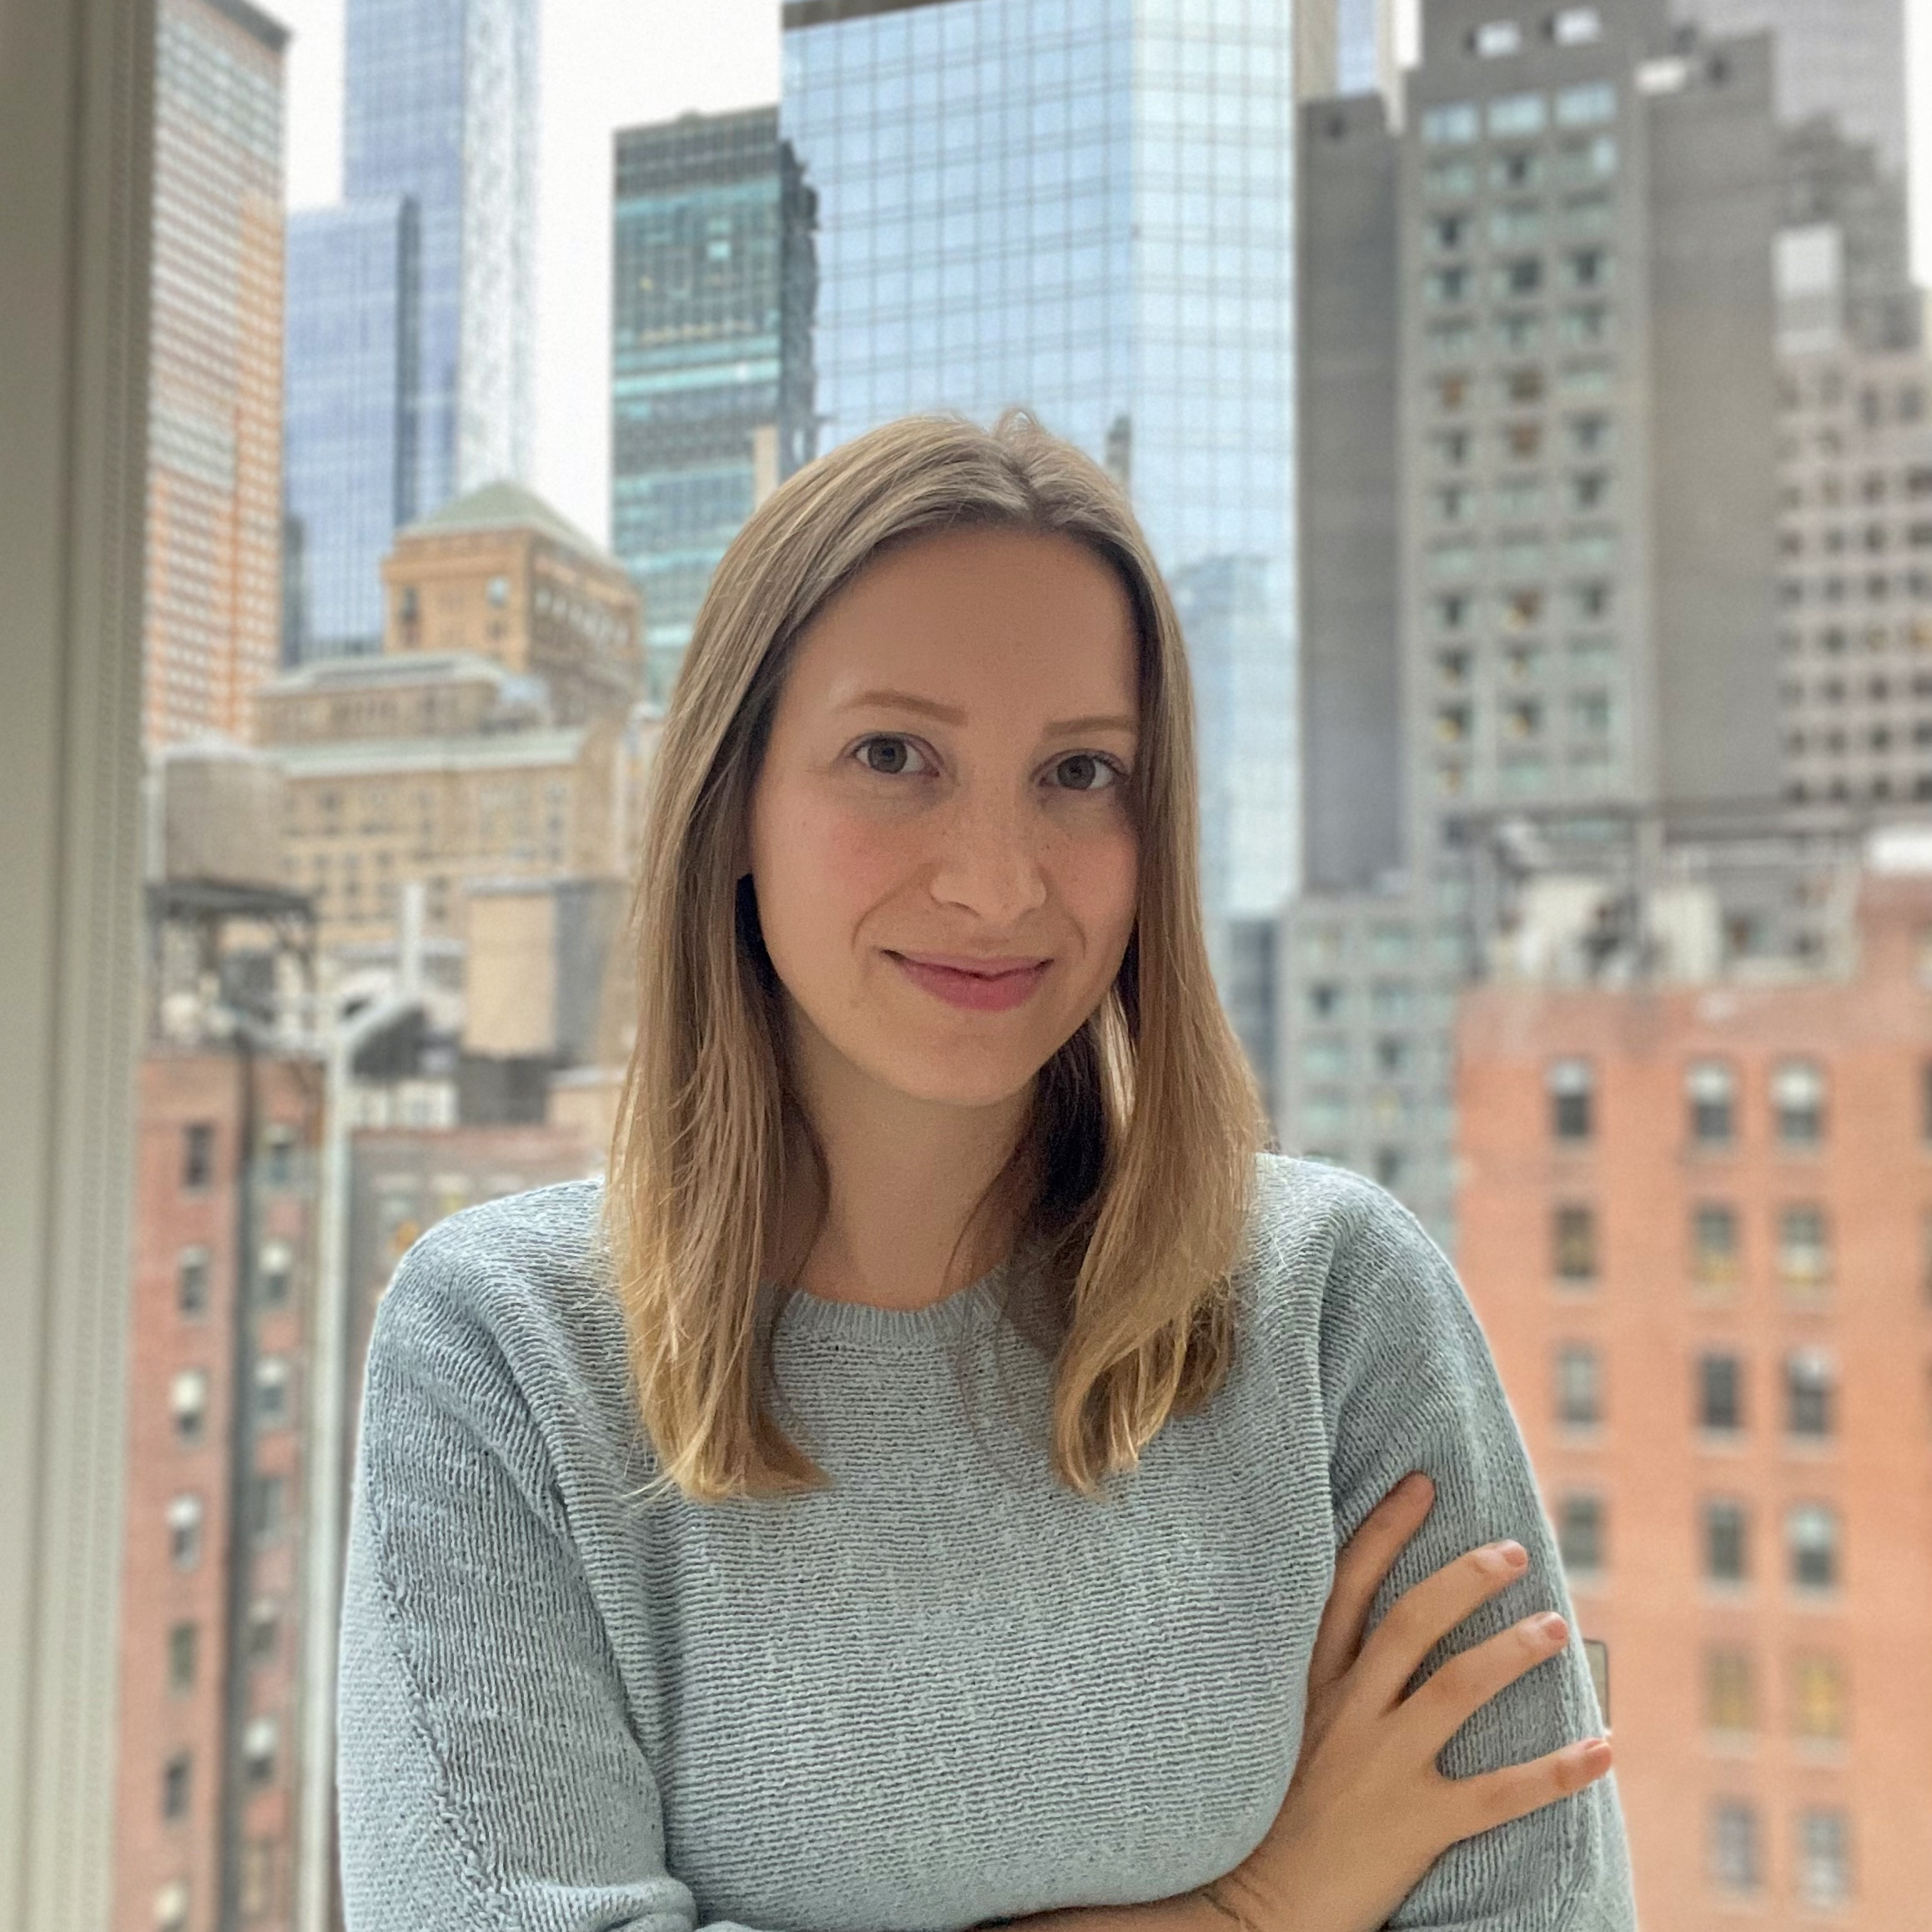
(988, 861)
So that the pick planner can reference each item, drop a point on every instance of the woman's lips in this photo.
(984, 985)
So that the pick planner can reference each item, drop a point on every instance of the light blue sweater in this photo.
(947, 1689)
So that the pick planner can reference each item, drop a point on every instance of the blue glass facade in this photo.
(713, 286)
(1088, 207)
(440, 101)
(1361, 31)
(349, 454)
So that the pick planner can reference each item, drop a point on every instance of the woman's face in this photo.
(940, 839)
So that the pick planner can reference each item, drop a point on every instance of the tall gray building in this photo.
(713, 282)
(1089, 209)
(1537, 413)
(1845, 58)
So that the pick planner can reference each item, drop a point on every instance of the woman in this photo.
(907, 1496)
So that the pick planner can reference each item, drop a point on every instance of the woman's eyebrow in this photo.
(951, 714)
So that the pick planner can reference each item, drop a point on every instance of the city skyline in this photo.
(635, 67)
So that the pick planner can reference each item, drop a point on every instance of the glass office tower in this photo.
(348, 444)
(1089, 209)
(440, 104)
(713, 286)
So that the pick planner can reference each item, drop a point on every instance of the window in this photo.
(496, 592)
(1390, 945)
(1734, 1852)
(1811, 1544)
(175, 1793)
(184, 1531)
(1730, 1700)
(264, 1629)
(1453, 124)
(1720, 1392)
(191, 1282)
(1582, 107)
(1807, 1393)
(1325, 1056)
(171, 1907)
(1804, 1250)
(1727, 1542)
(1575, 26)
(1450, 178)
(279, 1156)
(270, 1496)
(259, 1741)
(1571, 1088)
(1326, 1000)
(1520, 169)
(198, 1154)
(183, 1654)
(1574, 1227)
(1823, 1857)
(1579, 1387)
(1496, 38)
(276, 1269)
(1583, 164)
(1818, 1698)
(272, 1392)
(258, 1878)
(188, 1404)
(1515, 114)
(1522, 275)
(1714, 1246)
(1798, 1102)
(1711, 1089)
(1580, 1534)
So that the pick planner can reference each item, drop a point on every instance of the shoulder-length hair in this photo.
(1139, 1156)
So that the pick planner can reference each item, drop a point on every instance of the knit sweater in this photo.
(947, 1689)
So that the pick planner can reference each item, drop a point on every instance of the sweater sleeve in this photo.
(1409, 1383)
(488, 1773)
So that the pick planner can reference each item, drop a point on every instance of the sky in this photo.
(618, 63)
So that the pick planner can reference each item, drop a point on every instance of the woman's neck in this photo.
(914, 1211)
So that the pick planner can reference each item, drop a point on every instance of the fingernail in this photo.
(1551, 1627)
(1594, 1750)
(1512, 1555)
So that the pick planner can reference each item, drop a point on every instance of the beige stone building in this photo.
(498, 738)
(500, 574)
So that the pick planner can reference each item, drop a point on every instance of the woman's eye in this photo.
(1086, 772)
(889, 757)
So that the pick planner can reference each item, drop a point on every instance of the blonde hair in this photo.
(1139, 1159)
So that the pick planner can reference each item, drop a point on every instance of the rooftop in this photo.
(506, 506)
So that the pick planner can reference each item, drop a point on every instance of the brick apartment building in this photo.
(1695, 1220)
(222, 1247)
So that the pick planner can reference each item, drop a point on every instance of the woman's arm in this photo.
(1409, 1384)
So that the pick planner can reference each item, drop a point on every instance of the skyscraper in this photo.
(1539, 411)
(1089, 210)
(214, 370)
(1843, 57)
(440, 104)
(350, 463)
(713, 283)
